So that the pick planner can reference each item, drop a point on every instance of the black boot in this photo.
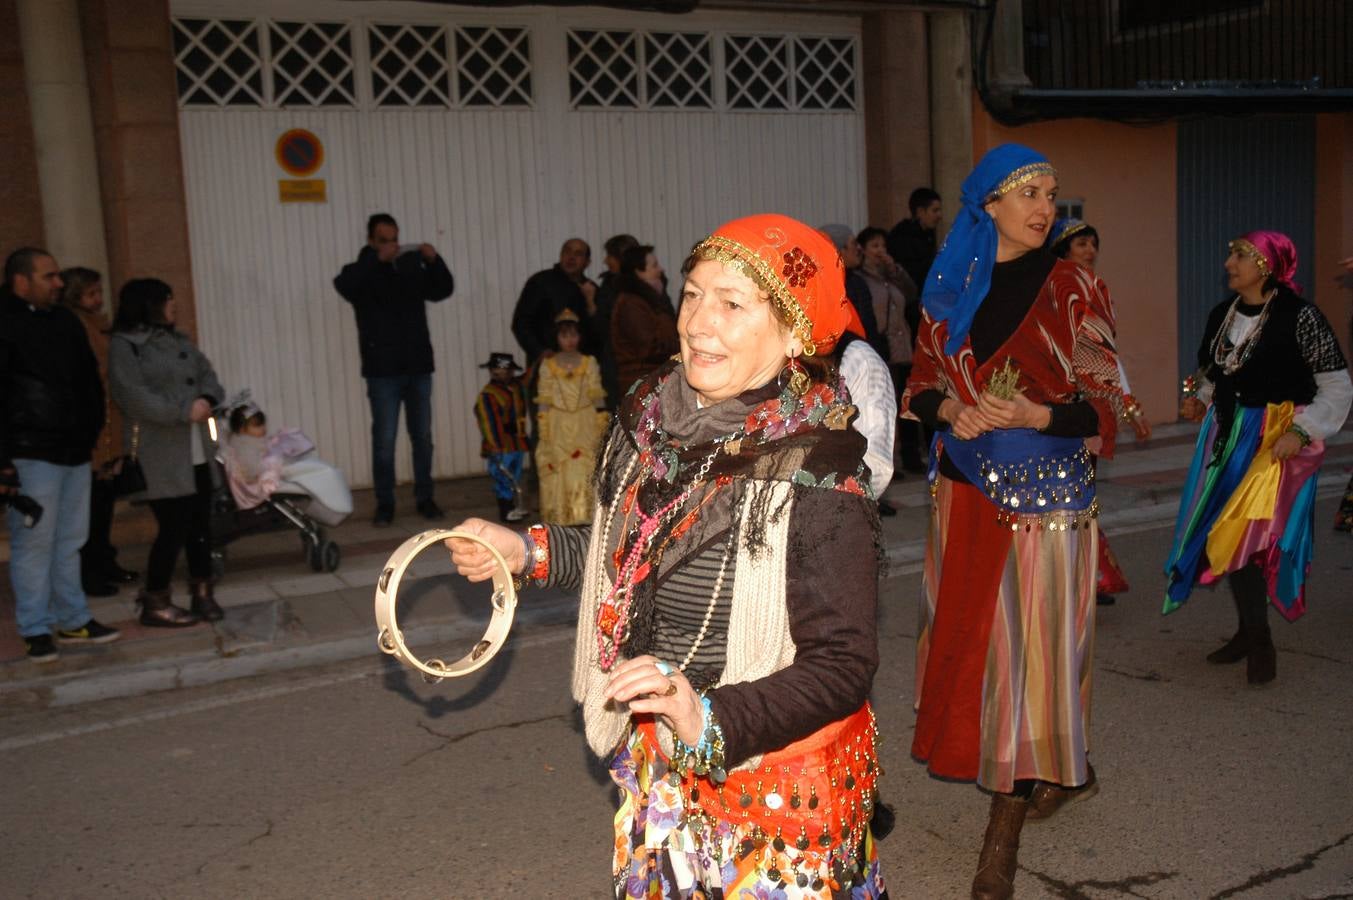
(1000, 849)
(158, 612)
(204, 602)
(1233, 651)
(504, 507)
(1261, 666)
(1251, 592)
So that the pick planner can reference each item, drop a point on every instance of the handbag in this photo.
(132, 478)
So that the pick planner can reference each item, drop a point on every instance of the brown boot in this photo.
(996, 866)
(158, 612)
(204, 602)
(1048, 798)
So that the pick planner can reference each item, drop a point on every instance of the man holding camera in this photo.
(51, 412)
(388, 287)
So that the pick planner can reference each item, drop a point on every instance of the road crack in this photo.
(450, 739)
(1268, 876)
(1151, 675)
(1076, 890)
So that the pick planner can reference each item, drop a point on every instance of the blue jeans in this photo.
(44, 561)
(505, 470)
(386, 393)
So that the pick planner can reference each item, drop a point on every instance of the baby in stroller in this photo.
(259, 465)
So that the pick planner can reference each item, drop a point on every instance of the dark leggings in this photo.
(1250, 589)
(184, 523)
(97, 556)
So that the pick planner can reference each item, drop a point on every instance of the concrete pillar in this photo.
(951, 100)
(130, 56)
(63, 132)
(20, 196)
(896, 112)
(1007, 47)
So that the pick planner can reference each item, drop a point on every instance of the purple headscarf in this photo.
(1274, 253)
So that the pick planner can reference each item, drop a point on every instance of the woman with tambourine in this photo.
(726, 637)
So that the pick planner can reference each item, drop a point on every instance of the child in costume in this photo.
(569, 426)
(259, 464)
(501, 414)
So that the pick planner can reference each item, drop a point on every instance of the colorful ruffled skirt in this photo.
(797, 826)
(1242, 507)
(1006, 643)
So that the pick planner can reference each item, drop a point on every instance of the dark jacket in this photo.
(545, 295)
(913, 248)
(392, 322)
(860, 297)
(643, 331)
(51, 397)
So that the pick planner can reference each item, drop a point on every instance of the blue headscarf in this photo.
(1065, 229)
(961, 274)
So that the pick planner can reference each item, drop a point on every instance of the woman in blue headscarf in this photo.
(1013, 368)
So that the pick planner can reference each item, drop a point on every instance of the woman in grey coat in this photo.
(166, 389)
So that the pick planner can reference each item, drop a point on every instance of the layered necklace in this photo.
(1232, 357)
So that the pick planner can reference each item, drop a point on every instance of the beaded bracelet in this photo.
(707, 756)
(1301, 433)
(536, 553)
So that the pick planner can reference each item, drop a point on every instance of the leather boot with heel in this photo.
(158, 612)
(1000, 849)
(1261, 665)
(204, 602)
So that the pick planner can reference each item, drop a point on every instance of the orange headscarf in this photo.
(797, 266)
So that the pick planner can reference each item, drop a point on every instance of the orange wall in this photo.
(1333, 288)
(1126, 176)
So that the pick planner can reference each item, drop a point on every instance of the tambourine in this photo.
(391, 640)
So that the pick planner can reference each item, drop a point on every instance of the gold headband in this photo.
(1240, 245)
(1021, 176)
(1071, 232)
(740, 258)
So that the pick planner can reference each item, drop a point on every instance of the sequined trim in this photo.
(1071, 232)
(1021, 176)
(740, 258)
(1240, 245)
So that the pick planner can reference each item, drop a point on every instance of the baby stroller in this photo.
(309, 495)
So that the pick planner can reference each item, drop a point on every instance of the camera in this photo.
(30, 509)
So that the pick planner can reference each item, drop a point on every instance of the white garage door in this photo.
(495, 136)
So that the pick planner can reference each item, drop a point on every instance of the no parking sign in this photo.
(300, 153)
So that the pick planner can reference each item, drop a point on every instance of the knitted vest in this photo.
(759, 642)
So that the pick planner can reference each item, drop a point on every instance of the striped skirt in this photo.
(1242, 507)
(1003, 661)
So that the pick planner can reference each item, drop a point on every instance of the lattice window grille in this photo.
(409, 65)
(312, 64)
(756, 71)
(603, 68)
(678, 70)
(493, 66)
(218, 62)
(824, 73)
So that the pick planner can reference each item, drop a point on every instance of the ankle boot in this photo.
(1233, 651)
(158, 612)
(996, 866)
(1261, 665)
(204, 602)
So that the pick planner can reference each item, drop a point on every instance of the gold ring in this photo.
(671, 689)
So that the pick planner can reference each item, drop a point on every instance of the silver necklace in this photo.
(1232, 358)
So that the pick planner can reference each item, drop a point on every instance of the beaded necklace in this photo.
(1232, 358)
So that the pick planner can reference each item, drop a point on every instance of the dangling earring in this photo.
(798, 377)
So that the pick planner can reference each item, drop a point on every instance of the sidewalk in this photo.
(281, 615)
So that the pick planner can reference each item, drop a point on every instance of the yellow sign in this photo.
(302, 190)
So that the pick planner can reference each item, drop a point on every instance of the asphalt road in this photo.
(361, 781)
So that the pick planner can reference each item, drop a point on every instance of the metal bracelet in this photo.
(391, 640)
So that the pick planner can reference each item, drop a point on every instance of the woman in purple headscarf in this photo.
(1271, 386)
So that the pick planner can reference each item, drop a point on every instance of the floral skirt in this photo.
(796, 826)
